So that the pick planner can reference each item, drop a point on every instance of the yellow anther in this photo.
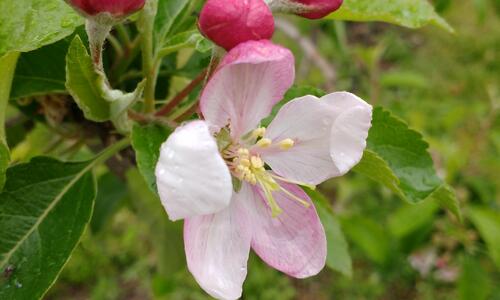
(257, 162)
(245, 162)
(259, 132)
(264, 143)
(286, 144)
(243, 152)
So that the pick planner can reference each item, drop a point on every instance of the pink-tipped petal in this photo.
(319, 8)
(295, 241)
(217, 248)
(252, 77)
(191, 176)
(349, 130)
(329, 134)
(231, 22)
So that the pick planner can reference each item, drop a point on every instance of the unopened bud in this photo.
(231, 22)
(115, 8)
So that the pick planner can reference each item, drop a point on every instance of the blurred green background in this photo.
(444, 85)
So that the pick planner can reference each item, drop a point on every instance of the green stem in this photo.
(149, 68)
(7, 67)
(111, 151)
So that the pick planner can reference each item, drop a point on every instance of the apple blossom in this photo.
(231, 22)
(236, 184)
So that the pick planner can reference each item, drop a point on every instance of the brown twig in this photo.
(181, 95)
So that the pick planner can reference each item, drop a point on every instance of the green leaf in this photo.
(4, 162)
(44, 209)
(90, 90)
(7, 68)
(42, 71)
(487, 222)
(110, 193)
(474, 282)
(397, 157)
(30, 24)
(146, 141)
(409, 13)
(338, 257)
(191, 38)
(169, 13)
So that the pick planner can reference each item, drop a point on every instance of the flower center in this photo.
(249, 167)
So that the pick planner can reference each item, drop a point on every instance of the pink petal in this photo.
(294, 242)
(217, 248)
(252, 77)
(329, 134)
(191, 176)
(349, 130)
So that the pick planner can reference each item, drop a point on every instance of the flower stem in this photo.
(149, 68)
(97, 33)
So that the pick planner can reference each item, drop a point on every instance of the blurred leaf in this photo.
(146, 141)
(474, 282)
(7, 68)
(410, 218)
(36, 142)
(44, 209)
(403, 79)
(90, 89)
(369, 236)
(30, 24)
(487, 223)
(168, 242)
(409, 13)
(111, 191)
(41, 71)
(338, 257)
(397, 157)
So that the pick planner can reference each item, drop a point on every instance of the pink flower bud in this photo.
(231, 22)
(116, 8)
(319, 8)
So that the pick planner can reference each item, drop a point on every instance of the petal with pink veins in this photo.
(293, 242)
(329, 137)
(217, 248)
(191, 176)
(251, 78)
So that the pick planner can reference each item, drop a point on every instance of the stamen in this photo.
(257, 162)
(245, 162)
(264, 143)
(286, 144)
(294, 197)
(259, 132)
(312, 187)
(275, 209)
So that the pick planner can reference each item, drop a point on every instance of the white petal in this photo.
(191, 176)
(217, 248)
(329, 134)
(307, 121)
(349, 130)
